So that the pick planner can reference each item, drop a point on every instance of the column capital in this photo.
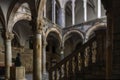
(9, 35)
(40, 25)
(45, 43)
(53, 1)
(73, 1)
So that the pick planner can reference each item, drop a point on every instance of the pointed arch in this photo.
(19, 12)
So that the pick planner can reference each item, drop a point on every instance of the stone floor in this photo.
(29, 76)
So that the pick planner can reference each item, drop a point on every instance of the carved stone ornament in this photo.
(40, 25)
(9, 35)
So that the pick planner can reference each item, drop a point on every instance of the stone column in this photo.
(61, 17)
(73, 12)
(8, 54)
(45, 11)
(53, 11)
(85, 9)
(37, 53)
(99, 8)
(44, 60)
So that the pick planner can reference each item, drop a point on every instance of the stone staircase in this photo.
(83, 64)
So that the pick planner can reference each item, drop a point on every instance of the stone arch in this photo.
(16, 4)
(57, 31)
(73, 31)
(41, 8)
(71, 39)
(23, 31)
(94, 28)
(16, 14)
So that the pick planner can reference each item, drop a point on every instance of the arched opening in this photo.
(53, 49)
(20, 18)
(20, 44)
(72, 41)
(2, 48)
(49, 9)
(91, 31)
(79, 11)
(68, 13)
(22, 13)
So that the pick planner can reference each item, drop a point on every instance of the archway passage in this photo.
(72, 42)
(21, 43)
(53, 49)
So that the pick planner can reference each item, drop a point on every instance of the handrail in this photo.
(79, 59)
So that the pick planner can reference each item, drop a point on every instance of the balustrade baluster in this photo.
(81, 61)
(65, 71)
(55, 75)
(70, 69)
(60, 72)
(94, 51)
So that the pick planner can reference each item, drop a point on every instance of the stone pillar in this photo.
(73, 12)
(45, 11)
(99, 8)
(37, 53)
(8, 54)
(85, 9)
(44, 59)
(53, 11)
(61, 17)
(109, 44)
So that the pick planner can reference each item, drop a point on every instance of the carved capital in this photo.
(40, 25)
(44, 43)
(9, 35)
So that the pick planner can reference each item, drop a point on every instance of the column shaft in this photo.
(44, 57)
(99, 8)
(37, 58)
(73, 12)
(8, 58)
(53, 11)
(61, 17)
(85, 9)
(45, 10)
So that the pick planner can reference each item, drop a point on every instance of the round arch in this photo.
(57, 31)
(95, 27)
(18, 15)
(73, 31)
